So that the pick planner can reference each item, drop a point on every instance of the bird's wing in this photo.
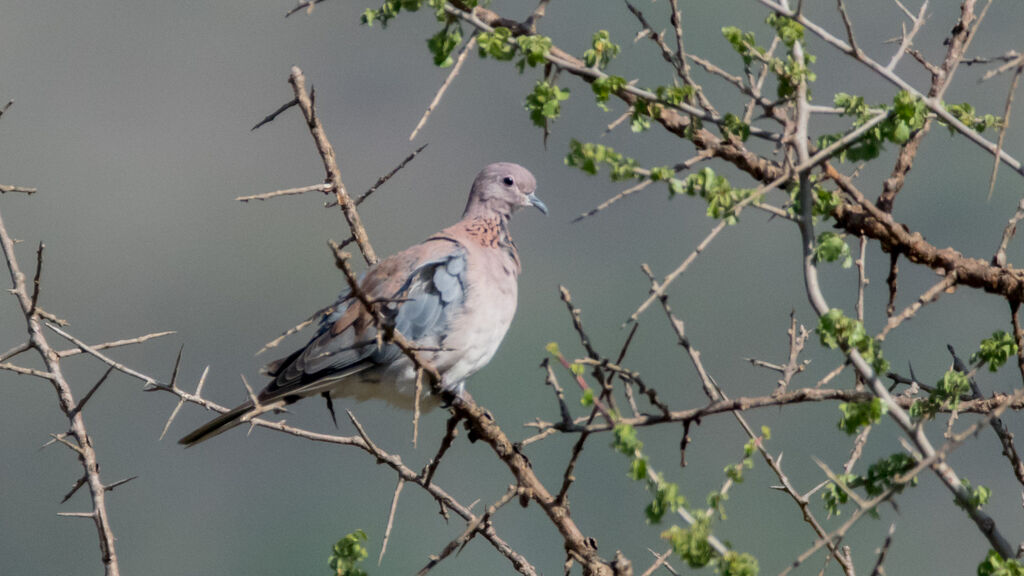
(421, 290)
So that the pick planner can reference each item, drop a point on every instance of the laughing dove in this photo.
(452, 296)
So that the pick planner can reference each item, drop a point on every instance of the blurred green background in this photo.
(133, 120)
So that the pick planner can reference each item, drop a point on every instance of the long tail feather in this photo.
(222, 423)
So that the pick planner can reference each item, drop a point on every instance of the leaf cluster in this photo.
(825, 201)
(836, 330)
(604, 87)
(602, 50)
(832, 247)
(907, 114)
(347, 554)
(544, 103)
(857, 415)
(996, 565)
(966, 114)
(979, 496)
(443, 43)
(721, 197)
(391, 8)
(886, 473)
(691, 544)
(589, 157)
(789, 72)
(947, 392)
(744, 44)
(996, 351)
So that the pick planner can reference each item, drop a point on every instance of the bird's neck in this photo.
(491, 231)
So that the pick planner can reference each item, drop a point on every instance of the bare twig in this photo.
(473, 527)
(849, 28)
(603, 205)
(7, 188)
(877, 570)
(1006, 125)
(325, 188)
(676, 58)
(907, 39)
(147, 380)
(380, 181)
(567, 476)
(459, 61)
(1011, 228)
(114, 344)
(862, 278)
(181, 399)
(323, 145)
(391, 520)
(930, 295)
(638, 187)
(55, 375)
(270, 117)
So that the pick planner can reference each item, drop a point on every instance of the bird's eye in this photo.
(507, 181)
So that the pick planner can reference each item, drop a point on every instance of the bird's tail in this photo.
(222, 423)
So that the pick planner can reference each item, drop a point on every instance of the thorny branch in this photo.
(856, 215)
(77, 437)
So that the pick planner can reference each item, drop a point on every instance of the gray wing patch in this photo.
(429, 301)
(422, 309)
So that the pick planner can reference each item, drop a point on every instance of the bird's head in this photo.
(501, 189)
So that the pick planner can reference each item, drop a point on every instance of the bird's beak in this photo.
(536, 203)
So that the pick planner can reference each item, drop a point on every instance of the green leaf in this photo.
(733, 126)
(834, 496)
(534, 48)
(832, 247)
(626, 440)
(638, 468)
(995, 351)
(721, 197)
(443, 43)
(602, 50)
(951, 387)
(743, 43)
(643, 111)
(965, 113)
(659, 173)
(588, 398)
(347, 554)
(979, 496)
(667, 499)
(885, 474)
(789, 31)
(544, 103)
(996, 565)
(902, 133)
(737, 564)
(691, 544)
(590, 157)
(837, 331)
(389, 10)
(552, 349)
(675, 95)
(857, 415)
(604, 87)
(496, 44)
